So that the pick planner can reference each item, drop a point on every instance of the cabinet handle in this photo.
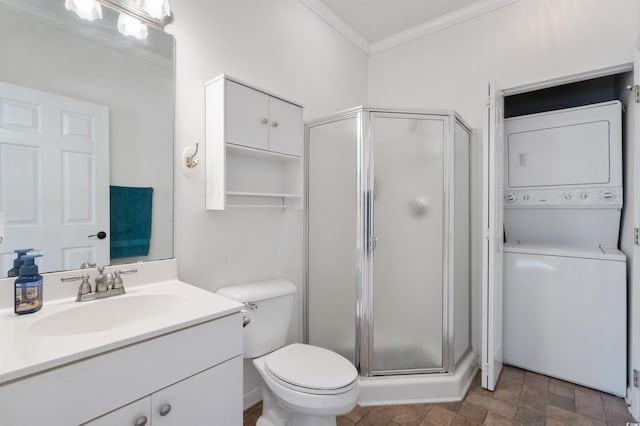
(141, 421)
(264, 121)
(165, 409)
(274, 124)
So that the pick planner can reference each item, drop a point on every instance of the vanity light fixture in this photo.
(156, 13)
(85, 9)
(158, 9)
(130, 26)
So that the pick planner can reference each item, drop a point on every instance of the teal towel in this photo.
(130, 221)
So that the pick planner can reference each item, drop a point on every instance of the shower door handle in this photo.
(374, 244)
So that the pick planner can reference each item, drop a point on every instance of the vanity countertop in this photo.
(64, 330)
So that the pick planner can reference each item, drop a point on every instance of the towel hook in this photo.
(191, 159)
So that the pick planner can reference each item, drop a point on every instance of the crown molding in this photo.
(463, 14)
(471, 11)
(337, 23)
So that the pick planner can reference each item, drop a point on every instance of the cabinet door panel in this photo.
(247, 116)
(213, 397)
(285, 127)
(127, 415)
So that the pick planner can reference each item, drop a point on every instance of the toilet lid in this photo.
(311, 367)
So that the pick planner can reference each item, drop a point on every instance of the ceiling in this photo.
(379, 19)
(377, 25)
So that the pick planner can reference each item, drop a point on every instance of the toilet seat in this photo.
(310, 369)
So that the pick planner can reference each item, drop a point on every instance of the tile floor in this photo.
(521, 398)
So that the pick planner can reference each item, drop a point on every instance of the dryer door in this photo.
(577, 146)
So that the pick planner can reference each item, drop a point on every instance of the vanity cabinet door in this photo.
(285, 127)
(213, 397)
(247, 116)
(137, 413)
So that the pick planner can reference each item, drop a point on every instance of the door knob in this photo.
(100, 235)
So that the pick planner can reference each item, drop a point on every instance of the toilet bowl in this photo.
(303, 385)
(313, 391)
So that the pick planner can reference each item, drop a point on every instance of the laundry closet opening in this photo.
(568, 231)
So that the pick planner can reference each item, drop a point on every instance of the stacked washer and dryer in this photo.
(564, 278)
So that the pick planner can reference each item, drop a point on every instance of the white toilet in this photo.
(303, 385)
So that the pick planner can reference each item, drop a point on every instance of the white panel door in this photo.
(54, 177)
(247, 120)
(633, 278)
(285, 127)
(492, 243)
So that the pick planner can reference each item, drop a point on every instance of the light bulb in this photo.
(156, 8)
(130, 26)
(85, 9)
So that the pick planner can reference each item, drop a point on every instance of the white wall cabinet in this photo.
(204, 398)
(253, 147)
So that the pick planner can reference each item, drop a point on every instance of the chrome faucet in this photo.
(106, 284)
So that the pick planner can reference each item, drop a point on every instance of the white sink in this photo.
(64, 330)
(108, 314)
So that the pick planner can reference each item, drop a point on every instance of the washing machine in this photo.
(565, 313)
(564, 279)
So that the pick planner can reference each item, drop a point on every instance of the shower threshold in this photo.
(419, 388)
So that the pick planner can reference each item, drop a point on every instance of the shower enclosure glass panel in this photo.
(462, 244)
(408, 214)
(388, 251)
(332, 236)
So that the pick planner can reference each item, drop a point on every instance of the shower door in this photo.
(388, 263)
(407, 214)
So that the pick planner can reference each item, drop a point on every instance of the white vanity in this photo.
(164, 353)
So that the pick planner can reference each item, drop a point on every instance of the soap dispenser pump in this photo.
(18, 262)
(28, 287)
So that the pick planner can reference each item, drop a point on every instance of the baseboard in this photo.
(251, 398)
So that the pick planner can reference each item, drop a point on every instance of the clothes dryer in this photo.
(563, 176)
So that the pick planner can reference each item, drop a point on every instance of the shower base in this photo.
(419, 388)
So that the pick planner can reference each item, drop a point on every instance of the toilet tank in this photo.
(269, 306)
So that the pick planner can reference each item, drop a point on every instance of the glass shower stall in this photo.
(388, 239)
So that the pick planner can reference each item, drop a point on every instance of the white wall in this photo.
(280, 46)
(526, 42)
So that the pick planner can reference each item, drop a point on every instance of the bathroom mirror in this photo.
(86, 138)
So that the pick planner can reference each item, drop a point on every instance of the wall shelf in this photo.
(253, 147)
(261, 194)
(260, 153)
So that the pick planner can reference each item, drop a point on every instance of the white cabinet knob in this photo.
(274, 124)
(141, 421)
(165, 409)
(264, 121)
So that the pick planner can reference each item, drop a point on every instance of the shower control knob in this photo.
(510, 197)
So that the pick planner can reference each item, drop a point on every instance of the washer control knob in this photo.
(584, 195)
(568, 196)
(607, 195)
(510, 197)
(526, 197)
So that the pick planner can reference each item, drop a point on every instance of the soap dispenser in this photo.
(18, 262)
(28, 287)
